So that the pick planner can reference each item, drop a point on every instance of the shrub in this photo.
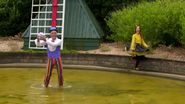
(102, 8)
(15, 16)
(162, 21)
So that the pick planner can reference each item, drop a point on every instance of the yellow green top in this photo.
(136, 39)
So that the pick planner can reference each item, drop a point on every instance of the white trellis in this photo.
(41, 18)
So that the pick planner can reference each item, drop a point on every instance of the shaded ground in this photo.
(170, 52)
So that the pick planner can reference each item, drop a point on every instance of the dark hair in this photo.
(53, 30)
(139, 31)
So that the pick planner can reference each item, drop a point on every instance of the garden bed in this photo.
(8, 44)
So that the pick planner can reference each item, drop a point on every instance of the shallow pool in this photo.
(25, 86)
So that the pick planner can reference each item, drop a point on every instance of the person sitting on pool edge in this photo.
(138, 47)
(54, 58)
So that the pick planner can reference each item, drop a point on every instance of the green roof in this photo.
(79, 21)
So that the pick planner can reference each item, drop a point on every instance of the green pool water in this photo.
(25, 86)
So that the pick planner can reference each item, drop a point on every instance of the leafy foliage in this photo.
(162, 21)
(103, 8)
(15, 16)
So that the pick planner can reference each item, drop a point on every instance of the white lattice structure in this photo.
(41, 20)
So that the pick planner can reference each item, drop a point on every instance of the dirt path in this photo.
(11, 44)
(172, 53)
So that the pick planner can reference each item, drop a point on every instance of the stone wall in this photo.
(149, 64)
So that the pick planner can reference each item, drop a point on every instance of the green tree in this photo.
(15, 16)
(160, 22)
(103, 8)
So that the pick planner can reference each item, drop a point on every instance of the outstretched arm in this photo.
(144, 44)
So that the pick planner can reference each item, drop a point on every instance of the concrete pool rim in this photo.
(116, 63)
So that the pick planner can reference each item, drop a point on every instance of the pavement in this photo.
(99, 68)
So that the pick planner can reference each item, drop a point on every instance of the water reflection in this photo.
(40, 95)
(23, 86)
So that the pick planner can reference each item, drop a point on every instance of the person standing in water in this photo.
(53, 51)
(138, 47)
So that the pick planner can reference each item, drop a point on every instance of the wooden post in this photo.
(54, 13)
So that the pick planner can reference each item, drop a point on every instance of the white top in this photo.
(51, 45)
